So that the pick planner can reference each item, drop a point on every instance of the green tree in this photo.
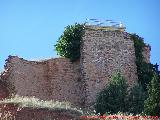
(145, 71)
(136, 99)
(68, 45)
(113, 97)
(152, 103)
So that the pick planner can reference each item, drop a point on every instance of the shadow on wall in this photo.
(3, 90)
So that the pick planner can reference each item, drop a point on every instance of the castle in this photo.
(103, 52)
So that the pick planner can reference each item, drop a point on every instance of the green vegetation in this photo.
(117, 97)
(145, 70)
(136, 98)
(68, 45)
(113, 97)
(152, 104)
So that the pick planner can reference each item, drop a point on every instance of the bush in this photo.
(116, 97)
(113, 97)
(136, 99)
(68, 45)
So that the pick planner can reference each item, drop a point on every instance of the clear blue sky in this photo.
(30, 28)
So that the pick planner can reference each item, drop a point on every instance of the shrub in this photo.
(136, 99)
(113, 97)
(68, 45)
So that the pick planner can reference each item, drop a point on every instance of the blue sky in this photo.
(30, 28)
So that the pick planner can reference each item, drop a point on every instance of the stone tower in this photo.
(104, 52)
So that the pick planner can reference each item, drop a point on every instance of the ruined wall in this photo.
(3, 90)
(146, 53)
(27, 78)
(65, 80)
(102, 54)
(57, 79)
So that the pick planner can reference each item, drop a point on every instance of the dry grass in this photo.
(33, 102)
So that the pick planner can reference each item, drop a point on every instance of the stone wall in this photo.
(146, 53)
(102, 54)
(3, 90)
(57, 79)
(65, 80)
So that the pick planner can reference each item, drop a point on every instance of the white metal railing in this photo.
(105, 24)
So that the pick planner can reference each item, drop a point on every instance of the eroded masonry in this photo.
(103, 52)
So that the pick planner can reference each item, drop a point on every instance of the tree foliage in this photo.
(113, 97)
(117, 97)
(68, 44)
(152, 104)
(145, 70)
